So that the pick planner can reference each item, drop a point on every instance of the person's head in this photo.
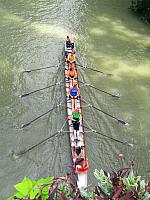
(77, 110)
(75, 84)
(67, 37)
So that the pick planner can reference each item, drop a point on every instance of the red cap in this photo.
(75, 84)
(76, 110)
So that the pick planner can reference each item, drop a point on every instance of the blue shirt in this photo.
(74, 92)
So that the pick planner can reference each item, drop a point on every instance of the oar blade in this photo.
(123, 122)
(24, 95)
(117, 95)
(25, 125)
(27, 71)
(128, 144)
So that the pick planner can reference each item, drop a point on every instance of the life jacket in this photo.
(74, 92)
(72, 73)
(82, 168)
(71, 57)
(76, 115)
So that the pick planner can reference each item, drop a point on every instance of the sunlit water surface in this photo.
(108, 38)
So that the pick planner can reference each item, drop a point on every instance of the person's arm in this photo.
(75, 74)
(74, 58)
(78, 92)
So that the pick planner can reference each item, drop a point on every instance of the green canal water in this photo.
(109, 38)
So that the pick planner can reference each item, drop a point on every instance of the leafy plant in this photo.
(104, 182)
(28, 189)
(121, 185)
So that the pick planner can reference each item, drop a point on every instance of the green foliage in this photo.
(32, 189)
(104, 182)
(87, 195)
(131, 181)
(123, 184)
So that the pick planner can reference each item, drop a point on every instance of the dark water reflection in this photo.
(108, 38)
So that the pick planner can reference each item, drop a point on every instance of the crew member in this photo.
(78, 150)
(82, 166)
(72, 73)
(68, 42)
(74, 91)
(71, 57)
(76, 119)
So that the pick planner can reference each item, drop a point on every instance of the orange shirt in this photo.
(72, 73)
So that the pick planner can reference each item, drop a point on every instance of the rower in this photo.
(71, 57)
(68, 47)
(76, 114)
(78, 150)
(74, 91)
(72, 74)
(76, 119)
(68, 42)
(81, 166)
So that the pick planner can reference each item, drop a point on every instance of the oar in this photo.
(26, 94)
(32, 70)
(29, 149)
(95, 70)
(116, 140)
(119, 120)
(113, 95)
(27, 124)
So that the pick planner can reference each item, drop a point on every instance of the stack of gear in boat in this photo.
(79, 162)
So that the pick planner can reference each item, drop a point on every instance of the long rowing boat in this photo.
(74, 109)
(77, 136)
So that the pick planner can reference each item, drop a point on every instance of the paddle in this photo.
(113, 95)
(27, 124)
(26, 94)
(116, 140)
(32, 70)
(119, 120)
(95, 70)
(29, 149)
